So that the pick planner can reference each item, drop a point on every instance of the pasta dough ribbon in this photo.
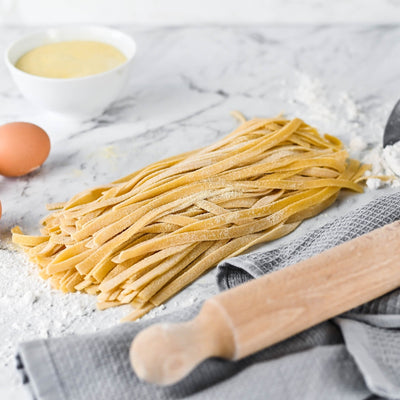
(142, 238)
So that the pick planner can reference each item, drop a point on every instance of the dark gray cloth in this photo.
(356, 356)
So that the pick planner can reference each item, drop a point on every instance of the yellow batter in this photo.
(72, 59)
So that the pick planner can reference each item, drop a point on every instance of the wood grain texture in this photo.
(283, 303)
(262, 312)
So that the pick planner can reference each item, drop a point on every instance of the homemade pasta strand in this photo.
(141, 239)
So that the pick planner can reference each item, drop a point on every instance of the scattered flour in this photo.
(31, 309)
(357, 145)
(359, 125)
(337, 113)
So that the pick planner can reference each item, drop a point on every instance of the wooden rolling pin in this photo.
(264, 311)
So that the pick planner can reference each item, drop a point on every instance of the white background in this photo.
(188, 12)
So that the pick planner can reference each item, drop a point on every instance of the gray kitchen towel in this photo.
(355, 356)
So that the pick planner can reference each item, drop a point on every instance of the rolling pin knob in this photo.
(165, 353)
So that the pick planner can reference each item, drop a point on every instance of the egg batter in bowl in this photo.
(71, 59)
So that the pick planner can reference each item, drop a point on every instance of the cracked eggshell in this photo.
(23, 148)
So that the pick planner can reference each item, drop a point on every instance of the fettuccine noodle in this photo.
(143, 238)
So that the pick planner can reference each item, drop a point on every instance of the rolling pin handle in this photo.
(165, 353)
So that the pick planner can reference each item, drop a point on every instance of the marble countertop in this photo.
(178, 12)
(184, 84)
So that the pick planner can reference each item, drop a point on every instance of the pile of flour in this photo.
(383, 161)
(359, 125)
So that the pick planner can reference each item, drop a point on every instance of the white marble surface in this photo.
(182, 12)
(184, 83)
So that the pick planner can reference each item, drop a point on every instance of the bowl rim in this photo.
(71, 28)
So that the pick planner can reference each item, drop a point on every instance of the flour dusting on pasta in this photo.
(141, 239)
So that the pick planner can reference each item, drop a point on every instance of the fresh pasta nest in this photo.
(142, 238)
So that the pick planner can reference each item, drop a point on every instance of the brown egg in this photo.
(23, 148)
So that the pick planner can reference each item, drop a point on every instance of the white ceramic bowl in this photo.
(81, 98)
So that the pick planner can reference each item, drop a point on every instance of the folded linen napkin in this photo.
(355, 356)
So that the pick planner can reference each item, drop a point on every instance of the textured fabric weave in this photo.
(356, 356)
